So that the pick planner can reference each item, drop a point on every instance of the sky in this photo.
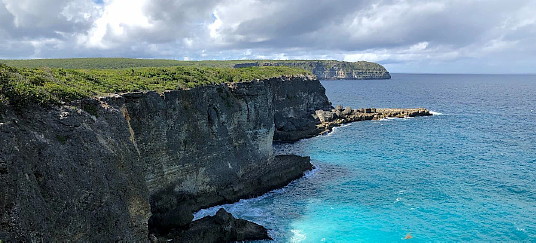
(411, 36)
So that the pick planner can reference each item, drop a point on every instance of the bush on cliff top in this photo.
(44, 86)
(117, 63)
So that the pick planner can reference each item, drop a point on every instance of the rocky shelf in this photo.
(338, 116)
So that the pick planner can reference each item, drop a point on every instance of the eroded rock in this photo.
(222, 227)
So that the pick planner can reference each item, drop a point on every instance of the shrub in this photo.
(21, 87)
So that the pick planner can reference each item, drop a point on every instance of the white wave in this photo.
(310, 173)
(435, 113)
(334, 129)
(298, 236)
(393, 118)
(385, 119)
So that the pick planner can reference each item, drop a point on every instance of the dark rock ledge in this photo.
(222, 227)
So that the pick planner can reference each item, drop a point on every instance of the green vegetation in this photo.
(118, 63)
(112, 63)
(20, 87)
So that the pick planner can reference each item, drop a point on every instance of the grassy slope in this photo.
(24, 86)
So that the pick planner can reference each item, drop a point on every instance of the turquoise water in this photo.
(468, 174)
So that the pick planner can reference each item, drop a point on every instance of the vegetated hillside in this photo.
(324, 69)
(112, 63)
(24, 86)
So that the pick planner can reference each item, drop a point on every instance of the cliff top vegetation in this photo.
(117, 63)
(46, 86)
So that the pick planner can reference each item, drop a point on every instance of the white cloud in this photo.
(399, 33)
(214, 27)
(119, 17)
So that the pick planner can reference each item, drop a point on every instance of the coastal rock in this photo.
(327, 120)
(275, 174)
(99, 169)
(222, 227)
(70, 176)
(294, 102)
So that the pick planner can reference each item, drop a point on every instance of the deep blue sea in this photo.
(465, 174)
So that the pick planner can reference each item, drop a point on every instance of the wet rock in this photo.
(347, 111)
(222, 227)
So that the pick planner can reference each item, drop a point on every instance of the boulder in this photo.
(347, 111)
(222, 227)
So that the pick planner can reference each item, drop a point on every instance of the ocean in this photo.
(468, 173)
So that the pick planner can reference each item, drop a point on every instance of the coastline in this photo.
(165, 155)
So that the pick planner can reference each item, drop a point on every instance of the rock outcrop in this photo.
(222, 227)
(324, 120)
(295, 102)
(338, 116)
(330, 69)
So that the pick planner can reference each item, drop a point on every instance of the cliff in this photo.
(131, 164)
(126, 166)
(330, 69)
(67, 175)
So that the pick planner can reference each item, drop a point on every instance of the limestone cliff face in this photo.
(127, 164)
(66, 175)
(295, 102)
(198, 145)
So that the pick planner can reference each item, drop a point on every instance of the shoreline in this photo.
(344, 120)
(149, 160)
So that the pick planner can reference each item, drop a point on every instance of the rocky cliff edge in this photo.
(120, 167)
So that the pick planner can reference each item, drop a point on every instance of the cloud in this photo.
(405, 35)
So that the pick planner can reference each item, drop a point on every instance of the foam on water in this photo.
(231, 207)
(335, 129)
(298, 236)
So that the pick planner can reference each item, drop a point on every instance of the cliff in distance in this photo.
(330, 69)
(323, 69)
